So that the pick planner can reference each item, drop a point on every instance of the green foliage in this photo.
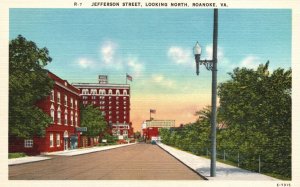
(137, 134)
(255, 116)
(93, 119)
(110, 138)
(28, 83)
(256, 106)
(16, 155)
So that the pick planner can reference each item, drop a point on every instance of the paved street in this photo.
(137, 162)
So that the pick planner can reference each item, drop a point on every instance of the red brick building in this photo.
(63, 106)
(150, 128)
(114, 102)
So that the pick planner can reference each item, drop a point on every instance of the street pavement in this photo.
(223, 171)
(135, 162)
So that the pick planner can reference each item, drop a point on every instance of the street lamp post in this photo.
(212, 66)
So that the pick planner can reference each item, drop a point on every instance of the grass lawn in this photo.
(16, 155)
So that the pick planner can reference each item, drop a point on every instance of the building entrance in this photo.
(66, 138)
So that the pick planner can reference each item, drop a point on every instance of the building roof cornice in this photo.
(97, 85)
(64, 87)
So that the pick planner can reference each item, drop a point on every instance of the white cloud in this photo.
(209, 52)
(161, 80)
(250, 61)
(108, 50)
(135, 66)
(110, 60)
(180, 55)
(85, 63)
(158, 78)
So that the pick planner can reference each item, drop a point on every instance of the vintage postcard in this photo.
(149, 93)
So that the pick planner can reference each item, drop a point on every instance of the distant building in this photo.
(150, 128)
(114, 102)
(63, 106)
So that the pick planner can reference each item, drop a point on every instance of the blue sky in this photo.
(155, 47)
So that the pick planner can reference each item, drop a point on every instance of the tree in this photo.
(256, 105)
(137, 134)
(93, 119)
(110, 138)
(28, 83)
(255, 116)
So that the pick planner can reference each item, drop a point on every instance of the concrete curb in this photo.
(87, 150)
(183, 163)
(25, 160)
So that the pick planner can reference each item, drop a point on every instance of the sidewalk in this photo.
(74, 152)
(223, 171)
(28, 159)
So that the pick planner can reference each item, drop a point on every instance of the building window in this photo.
(76, 120)
(124, 92)
(85, 91)
(93, 97)
(124, 112)
(58, 116)
(52, 96)
(75, 104)
(117, 92)
(125, 132)
(66, 100)
(51, 139)
(117, 102)
(28, 143)
(58, 140)
(124, 117)
(71, 118)
(58, 97)
(93, 91)
(102, 92)
(66, 117)
(110, 92)
(124, 98)
(71, 102)
(117, 98)
(52, 115)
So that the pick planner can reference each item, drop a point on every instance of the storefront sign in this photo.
(81, 129)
